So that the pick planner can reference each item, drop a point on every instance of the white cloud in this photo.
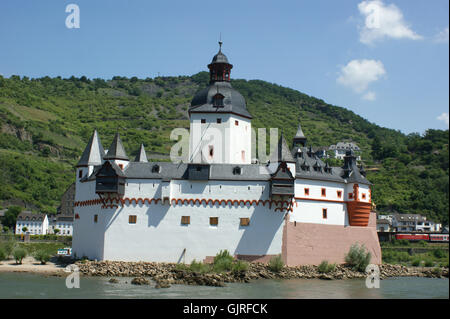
(443, 117)
(442, 37)
(358, 74)
(369, 96)
(383, 21)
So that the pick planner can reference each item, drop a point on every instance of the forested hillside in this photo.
(46, 122)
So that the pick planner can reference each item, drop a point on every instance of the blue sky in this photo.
(387, 61)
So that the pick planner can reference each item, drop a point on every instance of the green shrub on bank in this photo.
(429, 263)
(2, 254)
(358, 258)
(276, 263)
(43, 256)
(19, 254)
(8, 246)
(240, 266)
(325, 267)
(198, 266)
(439, 253)
(223, 261)
(416, 262)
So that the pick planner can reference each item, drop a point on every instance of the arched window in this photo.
(218, 100)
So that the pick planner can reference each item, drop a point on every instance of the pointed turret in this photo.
(299, 138)
(142, 156)
(116, 151)
(93, 153)
(282, 152)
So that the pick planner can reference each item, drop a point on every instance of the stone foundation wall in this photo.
(306, 243)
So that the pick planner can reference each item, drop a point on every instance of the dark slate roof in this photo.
(219, 58)
(29, 216)
(179, 171)
(233, 101)
(305, 163)
(282, 152)
(351, 172)
(64, 218)
(142, 156)
(116, 150)
(299, 136)
(93, 153)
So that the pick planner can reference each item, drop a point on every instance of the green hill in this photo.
(46, 122)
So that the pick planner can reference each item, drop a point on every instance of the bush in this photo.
(240, 266)
(325, 267)
(276, 263)
(43, 256)
(439, 253)
(422, 243)
(8, 246)
(2, 254)
(223, 261)
(358, 258)
(19, 254)
(429, 263)
(198, 267)
(416, 262)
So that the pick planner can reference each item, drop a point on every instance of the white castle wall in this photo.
(227, 138)
(88, 237)
(158, 234)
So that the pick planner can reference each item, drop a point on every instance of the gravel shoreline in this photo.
(166, 274)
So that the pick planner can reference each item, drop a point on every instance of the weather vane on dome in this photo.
(220, 41)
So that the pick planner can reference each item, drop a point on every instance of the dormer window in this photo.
(218, 100)
(156, 169)
(237, 170)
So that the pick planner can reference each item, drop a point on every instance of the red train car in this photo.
(413, 237)
(439, 238)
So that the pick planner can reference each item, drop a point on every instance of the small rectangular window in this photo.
(203, 121)
(132, 219)
(245, 222)
(214, 221)
(185, 220)
(80, 173)
(306, 191)
(324, 213)
(350, 196)
(95, 218)
(121, 167)
(363, 196)
(339, 194)
(236, 122)
(324, 192)
(219, 120)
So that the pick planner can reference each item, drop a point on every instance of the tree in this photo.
(9, 220)
(56, 231)
(24, 229)
(19, 255)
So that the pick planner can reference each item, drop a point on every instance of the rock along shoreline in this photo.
(166, 274)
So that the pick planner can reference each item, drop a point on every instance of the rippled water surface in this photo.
(20, 285)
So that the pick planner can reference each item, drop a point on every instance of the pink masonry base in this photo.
(310, 244)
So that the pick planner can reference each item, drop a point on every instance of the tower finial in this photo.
(220, 42)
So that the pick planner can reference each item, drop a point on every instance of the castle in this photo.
(294, 205)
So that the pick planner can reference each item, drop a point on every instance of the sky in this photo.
(387, 61)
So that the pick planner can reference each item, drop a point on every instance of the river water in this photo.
(24, 285)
